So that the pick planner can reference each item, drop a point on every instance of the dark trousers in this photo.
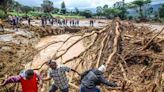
(2, 27)
(85, 89)
(54, 89)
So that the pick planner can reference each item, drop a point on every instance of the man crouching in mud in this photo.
(93, 77)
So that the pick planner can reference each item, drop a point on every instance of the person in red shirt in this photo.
(29, 81)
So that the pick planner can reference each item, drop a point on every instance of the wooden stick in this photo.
(40, 66)
(74, 86)
(16, 88)
(152, 39)
(123, 60)
(123, 71)
(115, 44)
(87, 48)
(100, 53)
(72, 73)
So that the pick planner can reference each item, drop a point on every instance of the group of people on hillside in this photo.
(30, 80)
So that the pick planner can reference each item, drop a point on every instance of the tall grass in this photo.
(38, 14)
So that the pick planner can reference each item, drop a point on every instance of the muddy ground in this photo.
(30, 47)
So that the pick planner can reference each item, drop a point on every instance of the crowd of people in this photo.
(44, 20)
(59, 21)
(14, 21)
(92, 22)
(90, 79)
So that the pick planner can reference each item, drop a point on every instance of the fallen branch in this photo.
(40, 66)
(122, 60)
(115, 44)
(94, 32)
(124, 73)
(48, 44)
(100, 53)
(87, 48)
(65, 42)
(152, 40)
(74, 86)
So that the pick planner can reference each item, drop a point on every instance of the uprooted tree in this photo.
(133, 56)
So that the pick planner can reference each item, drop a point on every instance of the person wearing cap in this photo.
(29, 80)
(93, 77)
(58, 73)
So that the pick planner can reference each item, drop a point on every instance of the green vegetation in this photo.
(17, 14)
(63, 8)
(2, 14)
(38, 14)
(119, 9)
(47, 6)
(26, 9)
(12, 7)
(68, 16)
(140, 4)
(161, 11)
(5, 5)
(86, 13)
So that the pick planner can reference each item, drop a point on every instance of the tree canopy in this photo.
(63, 8)
(140, 3)
(86, 13)
(5, 5)
(47, 6)
(99, 10)
(26, 9)
(161, 11)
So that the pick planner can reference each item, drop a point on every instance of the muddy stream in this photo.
(48, 52)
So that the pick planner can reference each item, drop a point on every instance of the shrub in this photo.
(130, 17)
(2, 14)
(35, 14)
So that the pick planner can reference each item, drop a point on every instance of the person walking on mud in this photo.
(70, 22)
(29, 21)
(77, 22)
(93, 77)
(42, 21)
(14, 23)
(29, 81)
(91, 23)
(58, 74)
(1, 25)
(51, 21)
